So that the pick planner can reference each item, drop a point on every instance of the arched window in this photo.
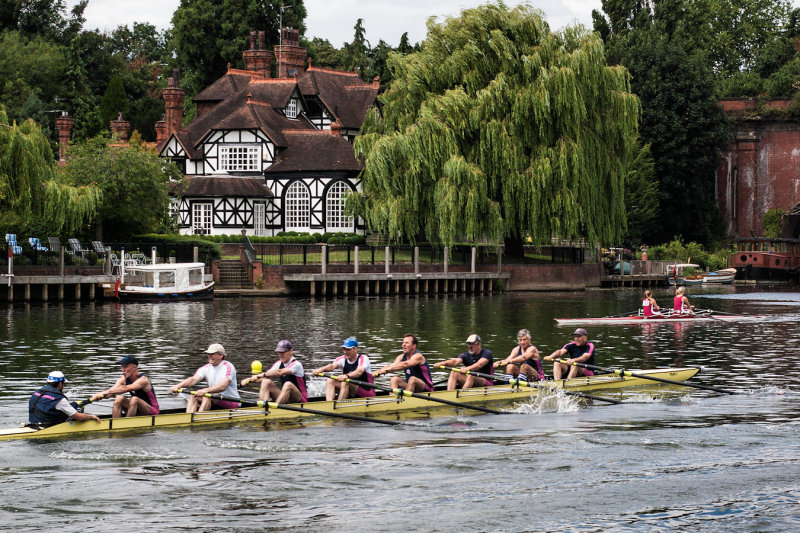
(335, 219)
(297, 207)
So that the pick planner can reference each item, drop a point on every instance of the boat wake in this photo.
(117, 456)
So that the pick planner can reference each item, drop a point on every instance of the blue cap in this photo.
(350, 343)
(128, 360)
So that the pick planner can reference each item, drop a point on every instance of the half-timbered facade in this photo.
(268, 154)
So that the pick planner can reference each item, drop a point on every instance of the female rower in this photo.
(681, 303)
(649, 305)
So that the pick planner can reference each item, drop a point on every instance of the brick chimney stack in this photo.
(173, 103)
(291, 57)
(120, 128)
(64, 127)
(258, 60)
(161, 130)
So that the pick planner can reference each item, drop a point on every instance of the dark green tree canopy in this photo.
(499, 128)
(209, 34)
(114, 101)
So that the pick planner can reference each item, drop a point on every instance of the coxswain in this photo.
(523, 362)
(414, 366)
(352, 365)
(220, 375)
(649, 306)
(681, 303)
(289, 371)
(143, 398)
(475, 359)
(49, 405)
(580, 350)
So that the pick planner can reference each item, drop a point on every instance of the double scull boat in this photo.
(633, 318)
(381, 405)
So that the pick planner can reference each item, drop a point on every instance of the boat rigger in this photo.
(381, 405)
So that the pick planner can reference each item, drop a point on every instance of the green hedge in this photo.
(182, 245)
(678, 251)
(290, 237)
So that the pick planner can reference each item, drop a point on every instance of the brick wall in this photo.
(761, 169)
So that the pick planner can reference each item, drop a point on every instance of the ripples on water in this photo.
(665, 460)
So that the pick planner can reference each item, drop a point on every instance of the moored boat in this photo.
(379, 405)
(726, 275)
(161, 282)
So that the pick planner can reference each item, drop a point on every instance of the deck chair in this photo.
(76, 248)
(36, 245)
(98, 247)
(11, 240)
(55, 244)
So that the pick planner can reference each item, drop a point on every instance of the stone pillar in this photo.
(416, 260)
(446, 258)
(258, 60)
(355, 261)
(474, 251)
(120, 128)
(386, 260)
(173, 104)
(64, 127)
(324, 258)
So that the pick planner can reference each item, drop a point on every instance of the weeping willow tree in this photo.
(29, 189)
(500, 129)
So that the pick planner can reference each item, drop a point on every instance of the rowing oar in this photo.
(92, 399)
(622, 373)
(526, 384)
(274, 405)
(402, 392)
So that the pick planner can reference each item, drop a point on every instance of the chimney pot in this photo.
(252, 40)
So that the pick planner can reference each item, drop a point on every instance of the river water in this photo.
(664, 460)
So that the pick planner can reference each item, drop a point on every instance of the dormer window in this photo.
(239, 157)
(291, 108)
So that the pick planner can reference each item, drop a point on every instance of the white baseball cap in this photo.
(56, 376)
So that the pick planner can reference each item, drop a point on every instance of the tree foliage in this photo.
(681, 119)
(499, 128)
(133, 182)
(641, 196)
(29, 191)
(114, 100)
(209, 34)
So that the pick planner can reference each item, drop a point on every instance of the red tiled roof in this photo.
(205, 186)
(315, 151)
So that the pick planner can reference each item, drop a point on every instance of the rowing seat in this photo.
(11, 240)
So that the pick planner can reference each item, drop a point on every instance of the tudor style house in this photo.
(268, 154)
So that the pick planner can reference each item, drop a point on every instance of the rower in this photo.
(143, 398)
(352, 365)
(475, 359)
(681, 303)
(523, 362)
(650, 307)
(290, 373)
(49, 406)
(221, 378)
(580, 350)
(413, 364)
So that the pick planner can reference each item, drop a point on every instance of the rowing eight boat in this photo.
(380, 405)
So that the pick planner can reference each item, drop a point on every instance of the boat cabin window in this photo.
(137, 278)
(166, 279)
(196, 276)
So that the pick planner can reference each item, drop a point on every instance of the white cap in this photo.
(56, 376)
(216, 348)
(473, 338)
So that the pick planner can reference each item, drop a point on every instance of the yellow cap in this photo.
(255, 367)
